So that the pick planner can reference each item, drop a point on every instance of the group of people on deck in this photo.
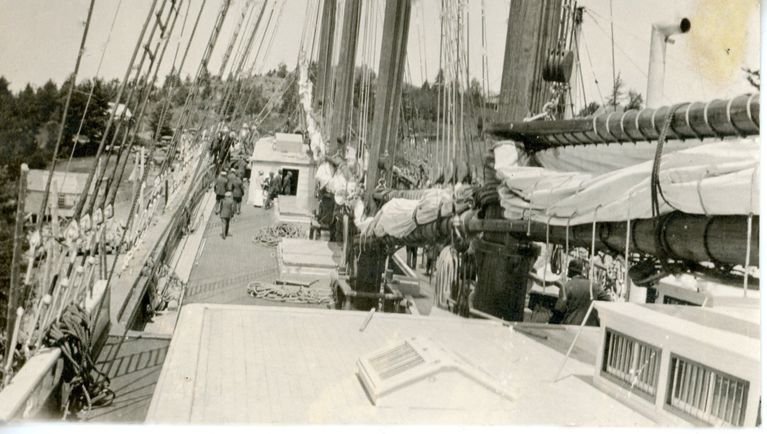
(274, 185)
(229, 188)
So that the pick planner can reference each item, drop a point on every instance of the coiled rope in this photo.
(288, 293)
(84, 385)
(270, 236)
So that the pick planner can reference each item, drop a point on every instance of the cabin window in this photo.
(710, 396)
(632, 363)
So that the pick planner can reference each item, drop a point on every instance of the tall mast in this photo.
(388, 89)
(345, 80)
(519, 61)
(325, 57)
(503, 266)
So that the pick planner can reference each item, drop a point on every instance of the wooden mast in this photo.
(504, 263)
(325, 57)
(368, 268)
(386, 117)
(519, 58)
(345, 78)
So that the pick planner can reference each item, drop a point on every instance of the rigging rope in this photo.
(44, 201)
(84, 385)
(612, 43)
(113, 113)
(626, 293)
(90, 93)
(203, 66)
(155, 61)
(593, 73)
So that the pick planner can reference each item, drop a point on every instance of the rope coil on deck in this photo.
(84, 385)
(287, 293)
(270, 236)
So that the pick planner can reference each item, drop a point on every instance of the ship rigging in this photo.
(502, 194)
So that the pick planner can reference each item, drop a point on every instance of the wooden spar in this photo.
(388, 89)
(736, 117)
(325, 57)
(18, 234)
(686, 237)
(345, 78)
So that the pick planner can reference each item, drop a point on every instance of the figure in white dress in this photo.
(260, 190)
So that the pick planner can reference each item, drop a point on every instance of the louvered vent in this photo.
(708, 395)
(419, 373)
(395, 361)
(633, 363)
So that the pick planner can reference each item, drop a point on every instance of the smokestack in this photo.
(661, 34)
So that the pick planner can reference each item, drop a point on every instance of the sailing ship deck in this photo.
(254, 364)
(217, 271)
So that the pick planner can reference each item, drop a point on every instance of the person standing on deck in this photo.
(220, 189)
(266, 185)
(242, 168)
(575, 297)
(238, 190)
(287, 184)
(257, 192)
(227, 212)
(275, 185)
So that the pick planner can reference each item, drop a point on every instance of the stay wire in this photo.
(145, 90)
(90, 93)
(203, 65)
(81, 51)
(113, 112)
(97, 173)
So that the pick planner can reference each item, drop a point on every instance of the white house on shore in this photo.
(65, 191)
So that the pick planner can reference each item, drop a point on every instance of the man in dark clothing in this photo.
(220, 189)
(287, 184)
(274, 188)
(575, 297)
(227, 212)
(242, 167)
(238, 190)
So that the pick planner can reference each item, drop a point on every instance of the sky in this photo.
(39, 40)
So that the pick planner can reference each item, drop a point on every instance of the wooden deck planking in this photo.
(133, 377)
(304, 370)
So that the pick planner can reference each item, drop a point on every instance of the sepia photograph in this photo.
(380, 213)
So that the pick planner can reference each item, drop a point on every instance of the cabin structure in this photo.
(284, 153)
(680, 364)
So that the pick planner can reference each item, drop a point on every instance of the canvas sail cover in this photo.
(604, 158)
(712, 178)
(399, 217)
